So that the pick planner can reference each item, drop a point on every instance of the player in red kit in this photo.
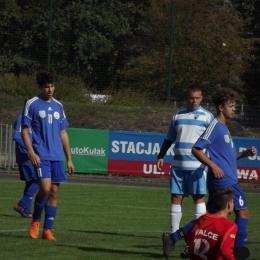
(212, 236)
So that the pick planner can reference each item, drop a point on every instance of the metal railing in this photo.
(7, 147)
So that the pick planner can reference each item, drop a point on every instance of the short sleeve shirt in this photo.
(220, 146)
(47, 120)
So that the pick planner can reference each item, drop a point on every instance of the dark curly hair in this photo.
(223, 95)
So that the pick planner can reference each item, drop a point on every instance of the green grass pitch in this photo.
(108, 222)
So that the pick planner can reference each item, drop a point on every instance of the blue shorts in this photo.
(27, 171)
(53, 170)
(238, 197)
(188, 182)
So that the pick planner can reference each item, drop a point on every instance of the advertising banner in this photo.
(134, 146)
(145, 169)
(89, 150)
(248, 168)
(133, 153)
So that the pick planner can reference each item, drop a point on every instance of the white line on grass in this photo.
(118, 206)
(130, 185)
(13, 230)
(81, 230)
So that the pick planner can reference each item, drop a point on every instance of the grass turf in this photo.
(97, 221)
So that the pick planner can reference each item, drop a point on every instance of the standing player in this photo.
(46, 117)
(212, 236)
(27, 172)
(222, 164)
(187, 176)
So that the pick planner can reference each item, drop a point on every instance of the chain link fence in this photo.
(93, 40)
(7, 147)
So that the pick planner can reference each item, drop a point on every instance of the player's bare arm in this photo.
(33, 157)
(66, 148)
(251, 151)
(159, 164)
(199, 154)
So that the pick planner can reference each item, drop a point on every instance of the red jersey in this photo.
(212, 238)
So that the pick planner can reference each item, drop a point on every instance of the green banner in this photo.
(89, 149)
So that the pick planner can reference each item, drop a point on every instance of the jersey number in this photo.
(197, 246)
(241, 202)
(49, 118)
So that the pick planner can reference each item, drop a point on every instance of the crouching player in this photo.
(212, 236)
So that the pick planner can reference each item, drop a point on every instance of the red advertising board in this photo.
(145, 169)
(248, 174)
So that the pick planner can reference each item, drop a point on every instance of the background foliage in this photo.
(120, 46)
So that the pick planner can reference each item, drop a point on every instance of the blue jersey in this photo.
(185, 129)
(220, 146)
(20, 150)
(47, 120)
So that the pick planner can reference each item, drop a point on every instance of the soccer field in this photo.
(102, 221)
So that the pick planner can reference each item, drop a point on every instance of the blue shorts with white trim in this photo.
(53, 170)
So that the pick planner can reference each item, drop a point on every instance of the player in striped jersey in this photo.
(46, 117)
(187, 175)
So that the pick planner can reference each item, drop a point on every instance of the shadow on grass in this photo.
(253, 243)
(115, 251)
(110, 233)
(10, 216)
(12, 235)
(151, 246)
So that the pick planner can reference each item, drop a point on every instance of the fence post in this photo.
(49, 37)
(9, 146)
(241, 114)
(170, 53)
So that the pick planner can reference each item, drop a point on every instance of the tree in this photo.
(250, 10)
(207, 47)
(125, 44)
(88, 36)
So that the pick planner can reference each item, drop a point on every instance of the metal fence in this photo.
(7, 147)
(246, 115)
(245, 118)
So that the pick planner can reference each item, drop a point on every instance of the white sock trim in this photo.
(175, 217)
(199, 210)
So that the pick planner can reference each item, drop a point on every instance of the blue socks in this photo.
(39, 205)
(50, 214)
(241, 232)
(26, 201)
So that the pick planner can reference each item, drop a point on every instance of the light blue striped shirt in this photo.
(185, 129)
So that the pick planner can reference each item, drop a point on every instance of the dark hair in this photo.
(221, 198)
(44, 77)
(193, 88)
(223, 95)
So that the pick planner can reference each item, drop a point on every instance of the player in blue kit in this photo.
(222, 164)
(27, 172)
(46, 117)
(187, 175)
